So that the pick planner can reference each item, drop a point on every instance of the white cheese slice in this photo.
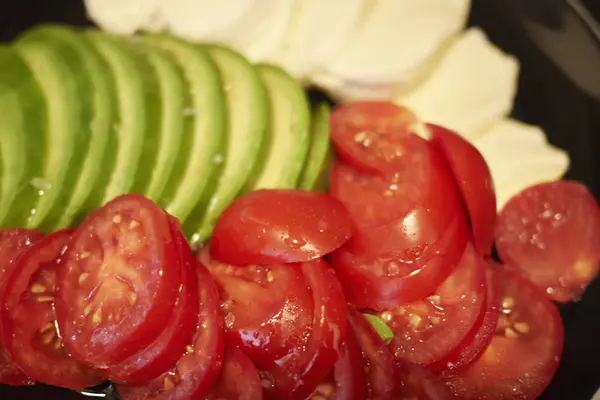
(472, 87)
(122, 17)
(519, 156)
(261, 34)
(204, 20)
(395, 40)
(317, 30)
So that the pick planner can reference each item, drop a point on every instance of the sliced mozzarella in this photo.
(261, 34)
(123, 17)
(204, 20)
(318, 29)
(472, 87)
(519, 156)
(395, 40)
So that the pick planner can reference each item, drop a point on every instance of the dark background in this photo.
(558, 45)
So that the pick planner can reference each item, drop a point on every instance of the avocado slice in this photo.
(382, 329)
(288, 135)
(204, 144)
(65, 85)
(22, 138)
(314, 175)
(138, 100)
(248, 121)
(98, 97)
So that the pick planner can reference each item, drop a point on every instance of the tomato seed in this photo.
(521, 327)
(82, 278)
(117, 219)
(97, 317)
(45, 299)
(510, 333)
(38, 288)
(133, 224)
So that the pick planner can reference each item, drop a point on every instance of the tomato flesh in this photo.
(279, 226)
(28, 322)
(238, 379)
(164, 352)
(197, 369)
(288, 319)
(431, 332)
(12, 243)
(525, 350)
(347, 380)
(475, 182)
(552, 232)
(386, 282)
(380, 369)
(118, 282)
(368, 135)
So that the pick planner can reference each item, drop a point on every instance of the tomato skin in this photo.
(521, 359)
(127, 260)
(382, 379)
(196, 371)
(475, 182)
(12, 243)
(28, 320)
(164, 352)
(551, 231)
(238, 380)
(386, 282)
(430, 333)
(279, 226)
(368, 134)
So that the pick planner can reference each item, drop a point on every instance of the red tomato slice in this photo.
(288, 319)
(418, 383)
(279, 226)
(552, 232)
(382, 380)
(12, 243)
(118, 283)
(368, 134)
(524, 353)
(197, 369)
(387, 282)
(238, 379)
(422, 180)
(347, 380)
(482, 338)
(164, 352)
(431, 332)
(29, 328)
(475, 183)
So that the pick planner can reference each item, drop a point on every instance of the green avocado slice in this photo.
(288, 136)
(248, 121)
(22, 139)
(314, 175)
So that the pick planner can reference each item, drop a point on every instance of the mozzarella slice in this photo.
(317, 29)
(204, 20)
(261, 34)
(122, 17)
(473, 87)
(519, 156)
(396, 39)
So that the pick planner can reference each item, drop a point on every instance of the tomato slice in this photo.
(197, 369)
(423, 179)
(524, 353)
(164, 352)
(382, 380)
(418, 383)
(280, 226)
(288, 319)
(12, 243)
(368, 134)
(118, 283)
(552, 232)
(483, 336)
(411, 274)
(29, 329)
(347, 380)
(475, 183)
(431, 332)
(238, 380)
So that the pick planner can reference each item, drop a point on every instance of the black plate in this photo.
(558, 45)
